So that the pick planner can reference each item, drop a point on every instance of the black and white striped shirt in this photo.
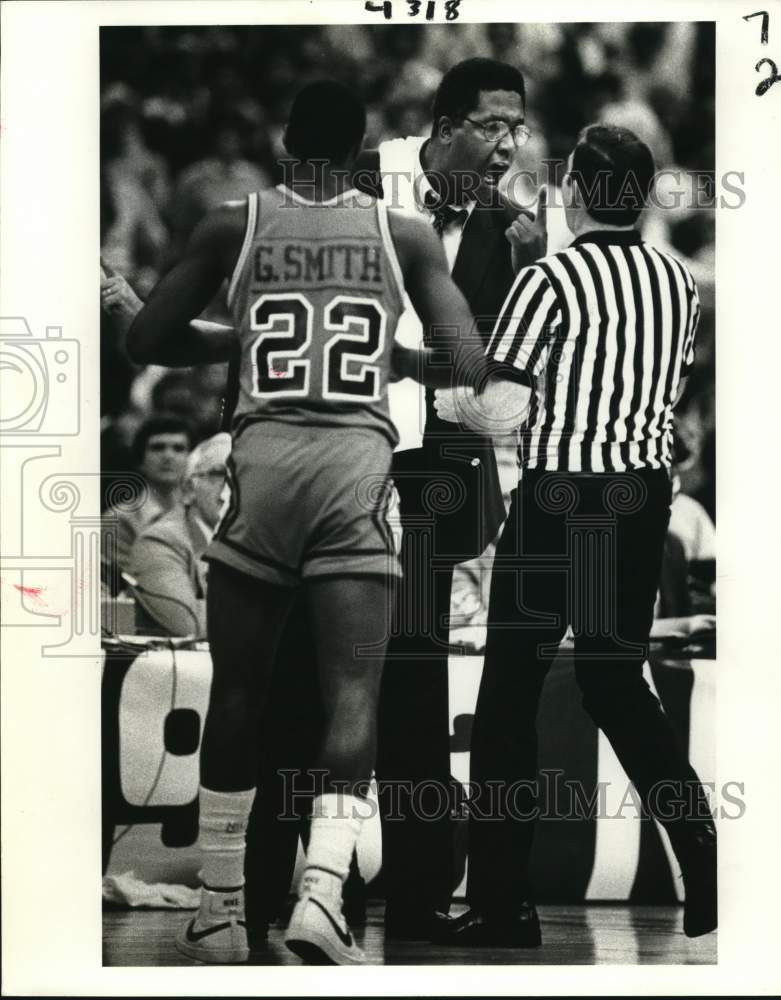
(605, 331)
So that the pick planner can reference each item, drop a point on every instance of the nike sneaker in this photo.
(318, 932)
(218, 933)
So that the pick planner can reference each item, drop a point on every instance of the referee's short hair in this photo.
(614, 172)
(327, 122)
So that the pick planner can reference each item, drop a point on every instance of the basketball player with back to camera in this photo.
(317, 277)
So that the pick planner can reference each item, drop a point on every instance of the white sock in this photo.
(223, 826)
(336, 824)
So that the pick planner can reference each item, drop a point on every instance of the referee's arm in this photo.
(688, 347)
(516, 354)
(527, 324)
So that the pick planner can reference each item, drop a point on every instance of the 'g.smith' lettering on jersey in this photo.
(315, 297)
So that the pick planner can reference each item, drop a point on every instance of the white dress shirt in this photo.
(405, 187)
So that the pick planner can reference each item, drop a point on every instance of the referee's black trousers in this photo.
(584, 549)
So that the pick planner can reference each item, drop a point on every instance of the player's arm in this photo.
(456, 352)
(475, 391)
(162, 332)
(529, 319)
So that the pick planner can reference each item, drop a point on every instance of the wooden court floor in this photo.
(572, 935)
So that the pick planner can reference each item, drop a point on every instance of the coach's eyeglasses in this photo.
(496, 129)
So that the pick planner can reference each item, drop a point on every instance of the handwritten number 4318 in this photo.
(413, 8)
(764, 85)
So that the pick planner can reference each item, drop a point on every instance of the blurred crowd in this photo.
(191, 117)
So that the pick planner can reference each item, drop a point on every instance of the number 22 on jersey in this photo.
(283, 358)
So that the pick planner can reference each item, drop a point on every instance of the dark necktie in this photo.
(443, 215)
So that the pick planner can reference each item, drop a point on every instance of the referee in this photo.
(602, 334)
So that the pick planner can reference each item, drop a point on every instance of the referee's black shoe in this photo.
(257, 935)
(474, 929)
(408, 923)
(698, 865)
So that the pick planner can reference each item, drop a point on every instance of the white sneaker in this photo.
(218, 933)
(318, 933)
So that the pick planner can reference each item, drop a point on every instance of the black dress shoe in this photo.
(474, 929)
(412, 924)
(698, 865)
(354, 896)
(354, 909)
(257, 935)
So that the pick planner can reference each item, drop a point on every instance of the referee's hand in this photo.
(528, 235)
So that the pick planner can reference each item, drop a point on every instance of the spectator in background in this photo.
(691, 533)
(195, 395)
(691, 523)
(118, 421)
(133, 237)
(685, 602)
(410, 75)
(407, 117)
(160, 450)
(223, 176)
(165, 561)
(177, 108)
(120, 114)
(173, 394)
(503, 41)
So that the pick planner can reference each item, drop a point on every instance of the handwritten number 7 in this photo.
(765, 23)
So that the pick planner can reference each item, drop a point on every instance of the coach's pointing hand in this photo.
(528, 235)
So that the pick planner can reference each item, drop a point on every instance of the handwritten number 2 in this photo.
(764, 85)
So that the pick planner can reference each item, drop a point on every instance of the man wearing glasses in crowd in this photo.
(165, 561)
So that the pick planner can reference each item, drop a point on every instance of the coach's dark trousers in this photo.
(413, 767)
(413, 737)
(584, 549)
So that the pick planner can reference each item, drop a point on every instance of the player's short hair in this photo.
(160, 423)
(458, 93)
(327, 122)
(614, 171)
